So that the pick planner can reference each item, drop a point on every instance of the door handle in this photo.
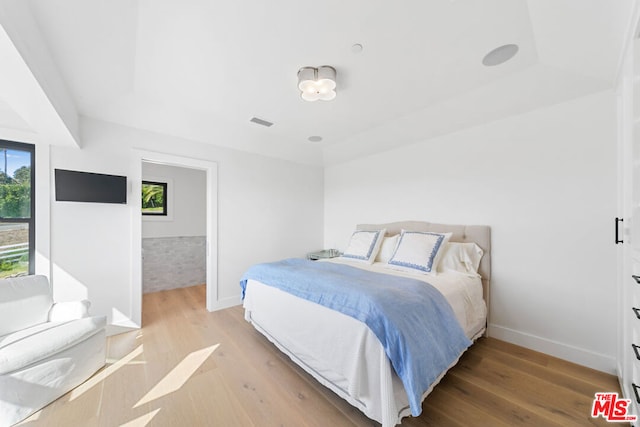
(617, 226)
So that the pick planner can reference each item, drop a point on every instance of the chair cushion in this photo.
(24, 302)
(31, 345)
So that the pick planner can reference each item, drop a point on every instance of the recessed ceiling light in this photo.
(315, 138)
(500, 55)
(356, 48)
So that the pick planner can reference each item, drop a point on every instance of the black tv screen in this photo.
(76, 186)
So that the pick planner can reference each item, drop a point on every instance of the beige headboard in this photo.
(479, 234)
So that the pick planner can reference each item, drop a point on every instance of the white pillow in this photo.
(419, 250)
(387, 248)
(69, 310)
(364, 245)
(462, 257)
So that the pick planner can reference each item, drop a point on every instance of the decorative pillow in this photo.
(419, 250)
(364, 245)
(387, 248)
(69, 310)
(462, 257)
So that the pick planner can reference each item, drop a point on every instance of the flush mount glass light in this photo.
(317, 83)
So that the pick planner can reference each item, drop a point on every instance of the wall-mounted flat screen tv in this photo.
(76, 186)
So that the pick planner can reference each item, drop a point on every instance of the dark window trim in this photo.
(31, 148)
(164, 199)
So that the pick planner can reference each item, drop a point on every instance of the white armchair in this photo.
(46, 348)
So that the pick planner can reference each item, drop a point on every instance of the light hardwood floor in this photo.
(189, 367)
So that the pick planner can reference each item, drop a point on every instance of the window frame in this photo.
(165, 190)
(31, 221)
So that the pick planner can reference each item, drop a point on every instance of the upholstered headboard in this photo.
(479, 234)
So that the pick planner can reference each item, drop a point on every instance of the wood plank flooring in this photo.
(189, 367)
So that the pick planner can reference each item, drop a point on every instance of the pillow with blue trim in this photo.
(364, 246)
(419, 251)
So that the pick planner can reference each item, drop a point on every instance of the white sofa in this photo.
(46, 348)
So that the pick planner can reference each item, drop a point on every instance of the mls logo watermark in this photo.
(611, 408)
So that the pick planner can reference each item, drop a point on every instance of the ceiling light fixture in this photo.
(317, 83)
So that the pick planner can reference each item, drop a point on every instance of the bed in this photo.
(343, 353)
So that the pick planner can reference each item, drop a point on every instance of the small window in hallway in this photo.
(154, 198)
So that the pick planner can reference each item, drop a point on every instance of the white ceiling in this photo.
(200, 69)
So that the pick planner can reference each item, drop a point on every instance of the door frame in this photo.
(211, 170)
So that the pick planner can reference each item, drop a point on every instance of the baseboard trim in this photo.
(227, 302)
(114, 329)
(600, 362)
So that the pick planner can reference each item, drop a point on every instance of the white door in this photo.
(627, 227)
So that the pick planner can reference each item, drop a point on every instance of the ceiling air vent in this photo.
(260, 122)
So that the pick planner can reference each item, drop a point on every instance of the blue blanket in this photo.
(411, 318)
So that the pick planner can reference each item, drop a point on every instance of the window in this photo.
(154, 198)
(17, 209)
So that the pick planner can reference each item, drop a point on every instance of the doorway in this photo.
(209, 168)
(173, 227)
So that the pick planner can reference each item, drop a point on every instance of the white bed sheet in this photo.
(341, 352)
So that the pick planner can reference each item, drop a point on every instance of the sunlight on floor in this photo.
(101, 375)
(141, 421)
(179, 375)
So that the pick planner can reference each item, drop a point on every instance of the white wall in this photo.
(267, 209)
(545, 182)
(186, 202)
(31, 84)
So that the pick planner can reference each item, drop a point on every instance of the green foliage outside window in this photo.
(15, 194)
(154, 198)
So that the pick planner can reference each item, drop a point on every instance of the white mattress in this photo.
(341, 352)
